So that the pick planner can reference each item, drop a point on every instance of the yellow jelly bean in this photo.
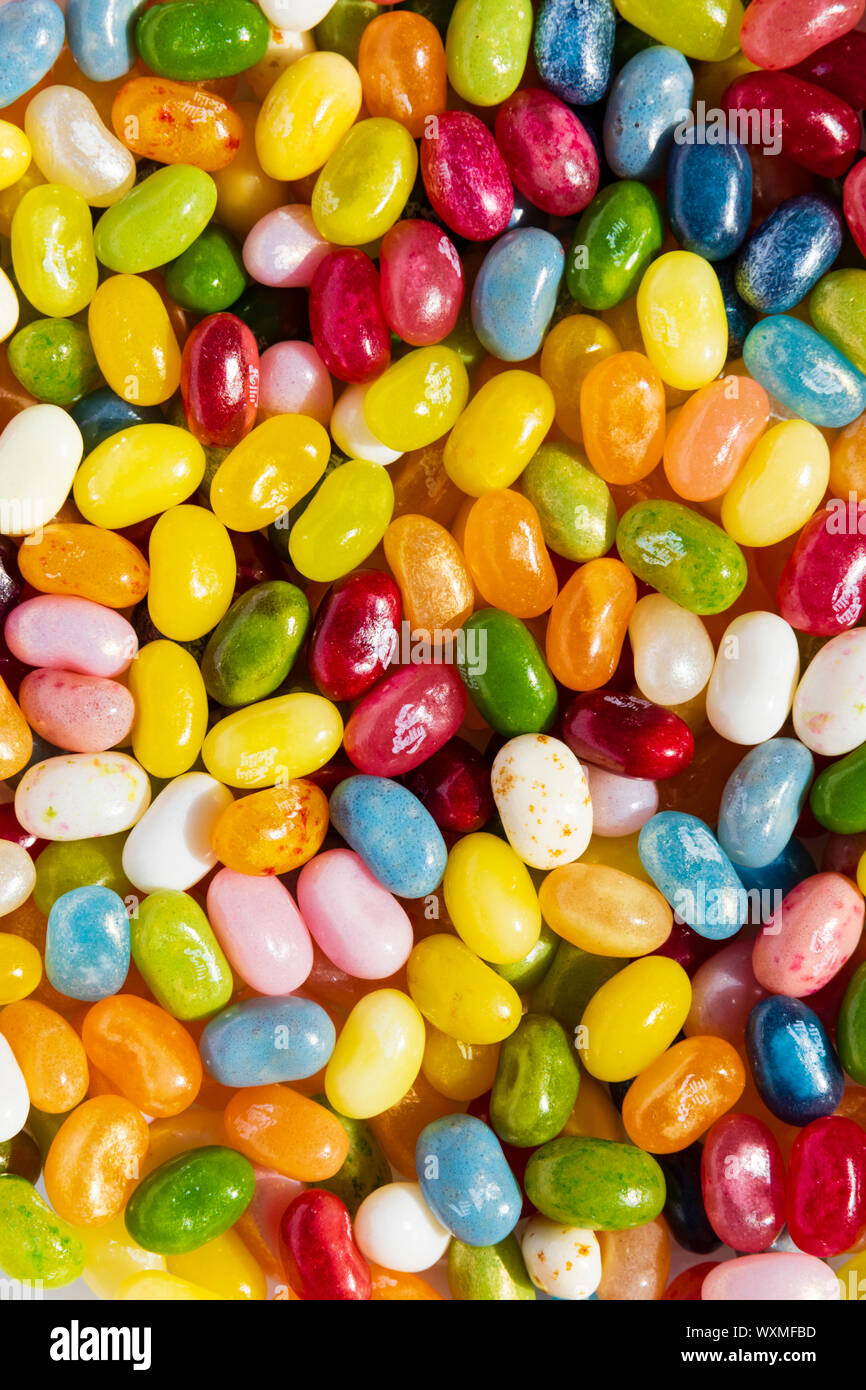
(344, 522)
(133, 340)
(571, 349)
(192, 573)
(418, 399)
(273, 741)
(285, 46)
(245, 193)
(491, 900)
(366, 183)
(708, 29)
(154, 1286)
(618, 852)
(852, 1278)
(377, 1056)
(779, 486)
(305, 115)
(594, 1114)
(20, 968)
(15, 154)
(498, 432)
(269, 471)
(138, 473)
(170, 709)
(11, 197)
(223, 1265)
(459, 994)
(112, 1257)
(682, 319)
(634, 1018)
(604, 911)
(52, 250)
(458, 1070)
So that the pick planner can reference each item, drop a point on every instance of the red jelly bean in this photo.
(779, 33)
(854, 204)
(321, 1259)
(219, 381)
(466, 177)
(839, 67)
(549, 155)
(354, 633)
(406, 719)
(422, 282)
(687, 1286)
(349, 330)
(822, 589)
(626, 734)
(454, 785)
(818, 130)
(826, 1197)
(12, 829)
(743, 1182)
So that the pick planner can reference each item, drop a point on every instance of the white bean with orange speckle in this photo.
(543, 800)
(564, 1261)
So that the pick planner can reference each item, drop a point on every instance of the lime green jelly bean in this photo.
(536, 1083)
(574, 505)
(506, 674)
(616, 238)
(176, 951)
(595, 1183)
(489, 1273)
(53, 360)
(253, 649)
(157, 220)
(366, 183)
(682, 554)
(35, 1245)
(190, 1200)
(837, 306)
(486, 48)
(192, 40)
(67, 864)
(851, 1027)
(344, 522)
(838, 796)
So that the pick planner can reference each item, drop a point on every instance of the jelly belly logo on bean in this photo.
(712, 126)
(408, 646)
(77, 1343)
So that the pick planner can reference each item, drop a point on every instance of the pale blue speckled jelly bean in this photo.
(573, 48)
(87, 943)
(709, 191)
(393, 833)
(794, 1064)
(774, 881)
(648, 100)
(762, 801)
(276, 1038)
(790, 251)
(101, 36)
(515, 293)
(688, 865)
(31, 37)
(466, 1181)
(804, 371)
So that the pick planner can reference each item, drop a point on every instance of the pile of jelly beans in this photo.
(433, 600)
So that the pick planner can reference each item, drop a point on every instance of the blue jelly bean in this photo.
(684, 1208)
(794, 1064)
(103, 413)
(648, 100)
(790, 251)
(101, 36)
(515, 293)
(87, 943)
(573, 48)
(740, 315)
(393, 833)
(709, 194)
(688, 865)
(31, 37)
(774, 881)
(275, 1038)
(762, 801)
(466, 1181)
(804, 371)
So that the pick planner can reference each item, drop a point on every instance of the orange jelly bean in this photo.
(712, 435)
(272, 831)
(622, 415)
(392, 1286)
(588, 624)
(49, 1052)
(280, 1129)
(428, 565)
(401, 63)
(571, 349)
(422, 485)
(507, 557)
(848, 461)
(94, 1160)
(682, 1093)
(176, 123)
(87, 562)
(176, 1134)
(144, 1052)
(16, 739)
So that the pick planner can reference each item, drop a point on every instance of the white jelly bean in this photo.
(564, 1261)
(830, 703)
(72, 146)
(673, 654)
(78, 796)
(40, 449)
(542, 797)
(17, 876)
(170, 847)
(352, 434)
(754, 678)
(14, 1100)
(395, 1227)
(620, 805)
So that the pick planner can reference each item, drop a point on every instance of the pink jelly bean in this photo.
(358, 924)
(774, 1277)
(83, 714)
(724, 992)
(620, 805)
(346, 317)
(219, 381)
(259, 1227)
(422, 282)
(261, 931)
(405, 719)
(780, 33)
(810, 938)
(822, 589)
(70, 634)
(295, 381)
(854, 204)
(549, 155)
(465, 176)
(283, 249)
(743, 1182)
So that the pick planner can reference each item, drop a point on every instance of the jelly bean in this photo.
(49, 1054)
(743, 1178)
(684, 1205)
(563, 1261)
(53, 359)
(418, 399)
(826, 1196)
(680, 1095)
(53, 250)
(71, 634)
(465, 177)
(536, 1083)
(134, 341)
(487, 47)
(850, 1032)
(270, 470)
(616, 238)
(178, 955)
(604, 911)
(352, 434)
(365, 1168)
(435, 580)
(93, 1160)
(625, 734)
(52, 444)
(620, 805)
(171, 709)
(71, 146)
(176, 124)
(691, 869)
(459, 994)
(225, 1266)
(706, 31)
(274, 831)
(713, 434)
(595, 1183)
(15, 154)
(31, 37)
(498, 432)
(318, 96)
(253, 648)
(633, 1018)
(353, 632)
(20, 1156)
(455, 1155)
(79, 864)
(408, 716)
(137, 472)
(421, 278)
(837, 66)
(827, 710)
(294, 381)
(104, 413)
(491, 900)
(461, 1071)
(345, 520)
(192, 573)
(367, 810)
(35, 1245)
(17, 877)
(574, 507)
(347, 321)
(635, 1263)
(810, 936)
(157, 220)
(682, 319)
(156, 1286)
(15, 1102)
(87, 944)
(754, 678)
(262, 1040)
(284, 247)
(396, 1223)
(506, 674)
(793, 1063)
(401, 63)
(515, 293)
(569, 983)
(145, 1053)
(777, 36)
(377, 1056)
(644, 109)
(549, 155)
(673, 654)
(189, 1200)
(573, 49)
(322, 1259)
(805, 371)
(340, 901)
(193, 42)
(81, 794)
(488, 1273)
(814, 128)
(20, 968)
(261, 931)
(683, 555)
(365, 184)
(762, 801)
(791, 462)
(101, 38)
(806, 234)
(626, 448)
(454, 786)
(834, 307)
(16, 738)
(709, 189)
(542, 797)
(209, 275)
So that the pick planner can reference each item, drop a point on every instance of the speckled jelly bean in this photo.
(645, 106)
(87, 944)
(543, 800)
(573, 49)
(574, 506)
(251, 651)
(691, 869)
(367, 810)
(36, 1245)
(56, 799)
(809, 937)
(549, 155)
(682, 554)
(595, 1183)
(828, 704)
(466, 177)
(262, 1040)
(536, 1083)
(31, 37)
(176, 951)
(789, 253)
(709, 188)
(500, 33)
(835, 307)
(515, 293)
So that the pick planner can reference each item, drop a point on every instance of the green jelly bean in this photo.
(53, 360)
(569, 984)
(35, 1245)
(618, 234)
(365, 1167)
(253, 648)
(210, 274)
(682, 554)
(486, 48)
(176, 951)
(595, 1183)
(536, 1083)
(67, 864)
(851, 1027)
(192, 40)
(158, 219)
(505, 673)
(837, 306)
(838, 795)
(20, 1155)
(574, 505)
(526, 973)
(489, 1273)
(341, 29)
(190, 1200)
